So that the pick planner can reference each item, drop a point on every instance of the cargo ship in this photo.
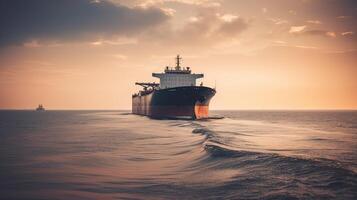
(40, 108)
(176, 96)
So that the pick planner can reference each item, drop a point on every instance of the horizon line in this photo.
(243, 109)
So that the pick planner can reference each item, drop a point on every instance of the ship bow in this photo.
(188, 102)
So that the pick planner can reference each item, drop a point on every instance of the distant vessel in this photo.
(40, 108)
(177, 95)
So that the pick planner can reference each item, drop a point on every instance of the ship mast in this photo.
(178, 58)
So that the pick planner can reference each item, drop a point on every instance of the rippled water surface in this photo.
(116, 155)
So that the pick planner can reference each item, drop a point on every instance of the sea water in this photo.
(117, 155)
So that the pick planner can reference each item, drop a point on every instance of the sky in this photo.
(259, 54)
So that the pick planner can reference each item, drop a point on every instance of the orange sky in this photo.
(262, 54)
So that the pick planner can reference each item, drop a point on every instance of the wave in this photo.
(314, 177)
(215, 146)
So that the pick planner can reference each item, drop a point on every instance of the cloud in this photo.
(22, 21)
(169, 11)
(314, 21)
(305, 47)
(228, 17)
(297, 29)
(232, 27)
(320, 33)
(117, 41)
(344, 17)
(279, 43)
(278, 21)
(302, 30)
(208, 27)
(330, 34)
(204, 3)
(211, 27)
(347, 33)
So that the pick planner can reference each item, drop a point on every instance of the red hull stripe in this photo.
(164, 111)
(201, 111)
(197, 111)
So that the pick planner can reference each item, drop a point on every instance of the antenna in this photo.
(178, 58)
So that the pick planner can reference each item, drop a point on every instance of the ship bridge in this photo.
(177, 77)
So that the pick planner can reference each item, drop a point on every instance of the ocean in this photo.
(117, 155)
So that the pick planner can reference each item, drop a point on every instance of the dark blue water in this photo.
(116, 155)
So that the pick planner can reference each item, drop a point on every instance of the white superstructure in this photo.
(177, 77)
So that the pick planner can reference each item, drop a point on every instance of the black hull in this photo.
(180, 102)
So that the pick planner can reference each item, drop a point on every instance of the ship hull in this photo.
(179, 102)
